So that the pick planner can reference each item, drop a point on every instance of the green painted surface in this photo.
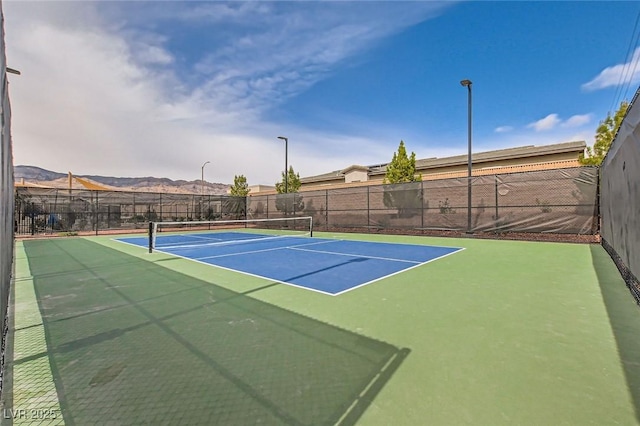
(34, 398)
(501, 333)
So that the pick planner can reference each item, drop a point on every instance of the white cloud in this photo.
(553, 121)
(100, 95)
(549, 130)
(503, 129)
(619, 74)
(282, 54)
(577, 120)
(226, 12)
(544, 124)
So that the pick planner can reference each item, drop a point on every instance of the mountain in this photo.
(35, 174)
(42, 177)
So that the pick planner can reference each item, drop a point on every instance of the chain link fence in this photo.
(51, 211)
(556, 201)
(563, 201)
(621, 198)
(6, 199)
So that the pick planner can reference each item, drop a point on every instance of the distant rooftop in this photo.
(477, 158)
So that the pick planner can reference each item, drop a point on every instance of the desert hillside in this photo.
(41, 177)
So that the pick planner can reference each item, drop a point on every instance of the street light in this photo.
(286, 164)
(468, 84)
(202, 177)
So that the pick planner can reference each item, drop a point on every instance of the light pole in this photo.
(468, 84)
(202, 177)
(286, 164)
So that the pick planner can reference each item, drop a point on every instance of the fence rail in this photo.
(552, 201)
(43, 211)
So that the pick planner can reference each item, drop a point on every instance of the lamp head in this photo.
(283, 138)
(466, 82)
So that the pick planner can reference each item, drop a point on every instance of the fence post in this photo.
(597, 209)
(496, 190)
(33, 218)
(422, 205)
(326, 210)
(368, 211)
(150, 237)
(97, 213)
(55, 211)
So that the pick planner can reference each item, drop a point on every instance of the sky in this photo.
(158, 88)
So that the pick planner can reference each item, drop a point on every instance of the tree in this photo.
(605, 133)
(240, 187)
(290, 201)
(402, 168)
(292, 184)
(399, 192)
(236, 205)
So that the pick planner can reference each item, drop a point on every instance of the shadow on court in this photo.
(624, 316)
(131, 342)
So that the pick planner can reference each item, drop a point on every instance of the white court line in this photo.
(248, 273)
(237, 254)
(127, 242)
(196, 236)
(398, 272)
(187, 236)
(261, 250)
(355, 255)
(223, 242)
(416, 265)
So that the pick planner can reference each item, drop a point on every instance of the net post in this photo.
(311, 226)
(150, 237)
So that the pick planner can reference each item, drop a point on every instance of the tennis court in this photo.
(330, 266)
(502, 332)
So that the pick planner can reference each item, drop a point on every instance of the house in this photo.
(510, 160)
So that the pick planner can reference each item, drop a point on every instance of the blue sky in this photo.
(158, 88)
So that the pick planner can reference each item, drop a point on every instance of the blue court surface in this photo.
(327, 266)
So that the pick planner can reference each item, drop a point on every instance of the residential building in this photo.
(510, 160)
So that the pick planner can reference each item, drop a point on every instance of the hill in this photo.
(42, 177)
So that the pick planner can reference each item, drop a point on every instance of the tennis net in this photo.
(167, 235)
